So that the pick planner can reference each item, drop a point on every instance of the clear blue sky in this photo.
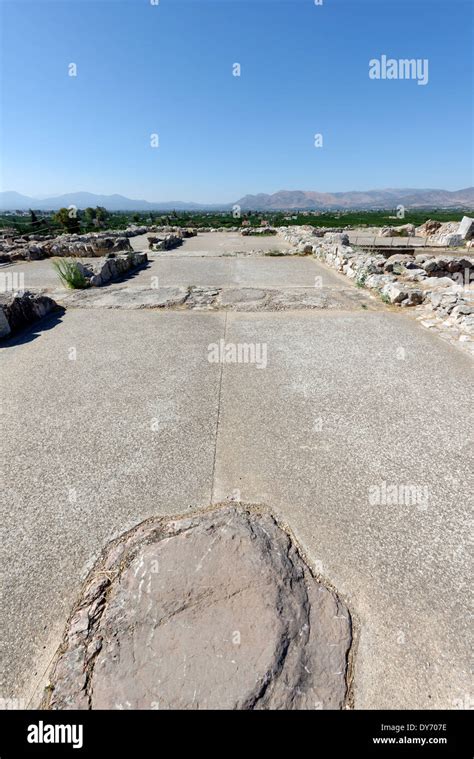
(167, 69)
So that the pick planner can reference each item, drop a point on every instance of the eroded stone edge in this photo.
(118, 554)
(192, 298)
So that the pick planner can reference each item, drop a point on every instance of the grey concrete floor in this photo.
(202, 260)
(93, 445)
(336, 413)
(114, 416)
(218, 244)
(183, 270)
(34, 275)
(286, 271)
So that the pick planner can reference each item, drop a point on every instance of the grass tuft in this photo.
(360, 281)
(69, 273)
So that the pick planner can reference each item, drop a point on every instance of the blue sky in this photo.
(167, 69)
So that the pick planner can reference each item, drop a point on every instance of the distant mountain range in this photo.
(285, 200)
(371, 199)
(13, 201)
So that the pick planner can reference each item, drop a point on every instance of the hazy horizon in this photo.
(46, 196)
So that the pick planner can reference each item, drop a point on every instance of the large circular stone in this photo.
(215, 611)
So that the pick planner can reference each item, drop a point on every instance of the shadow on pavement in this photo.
(30, 333)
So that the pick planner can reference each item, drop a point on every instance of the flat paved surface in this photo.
(34, 275)
(337, 413)
(181, 267)
(285, 271)
(141, 423)
(218, 244)
(95, 444)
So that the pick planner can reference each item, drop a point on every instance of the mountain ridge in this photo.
(283, 200)
(357, 199)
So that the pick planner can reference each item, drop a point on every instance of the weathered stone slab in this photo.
(127, 298)
(303, 298)
(37, 247)
(466, 228)
(89, 245)
(239, 295)
(213, 298)
(397, 258)
(99, 273)
(258, 231)
(168, 242)
(404, 230)
(214, 611)
(19, 309)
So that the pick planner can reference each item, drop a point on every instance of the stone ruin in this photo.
(217, 610)
(441, 284)
(172, 238)
(111, 267)
(87, 246)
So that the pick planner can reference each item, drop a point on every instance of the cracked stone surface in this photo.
(241, 295)
(216, 610)
(127, 298)
(215, 298)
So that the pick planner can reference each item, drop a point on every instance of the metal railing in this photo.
(368, 241)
